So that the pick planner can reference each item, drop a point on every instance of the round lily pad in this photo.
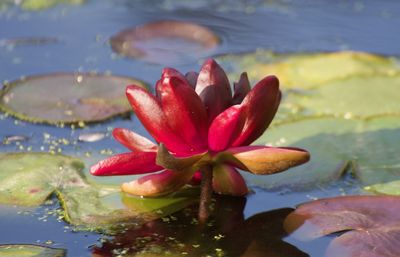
(310, 70)
(165, 41)
(67, 97)
(356, 96)
(24, 250)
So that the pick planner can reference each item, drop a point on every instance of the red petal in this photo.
(261, 104)
(241, 89)
(149, 112)
(265, 160)
(133, 141)
(185, 112)
(228, 181)
(126, 164)
(213, 88)
(225, 128)
(162, 183)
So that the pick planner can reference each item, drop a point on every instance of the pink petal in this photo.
(192, 77)
(267, 160)
(228, 181)
(261, 104)
(184, 111)
(225, 128)
(150, 113)
(133, 141)
(162, 183)
(213, 88)
(126, 164)
(241, 88)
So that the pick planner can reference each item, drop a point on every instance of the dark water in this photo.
(75, 38)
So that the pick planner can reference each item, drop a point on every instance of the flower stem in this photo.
(205, 195)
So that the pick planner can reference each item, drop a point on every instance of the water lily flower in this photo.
(199, 126)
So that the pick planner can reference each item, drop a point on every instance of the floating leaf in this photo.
(36, 5)
(11, 250)
(28, 179)
(347, 98)
(368, 148)
(75, 97)
(312, 70)
(165, 41)
(370, 225)
(390, 188)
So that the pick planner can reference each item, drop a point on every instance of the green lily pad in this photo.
(390, 188)
(28, 179)
(311, 70)
(30, 251)
(356, 96)
(75, 97)
(369, 148)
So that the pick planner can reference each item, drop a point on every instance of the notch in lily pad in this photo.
(67, 98)
(160, 41)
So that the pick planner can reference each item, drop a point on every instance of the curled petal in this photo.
(263, 160)
(169, 161)
(126, 164)
(261, 104)
(150, 113)
(213, 88)
(191, 77)
(133, 141)
(159, 184)
(241, 89)
(228, 181)
(225, 128)
(184, 111)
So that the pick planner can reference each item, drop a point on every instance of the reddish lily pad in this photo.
(28, 179)
(370, 225)
(165, 41)
(369, 149)
(11, 250)
(74, 97)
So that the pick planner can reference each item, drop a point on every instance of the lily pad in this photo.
(30, 251)
(311, 70)
(369, 225)
(165, 41)
(368, 148)
(28, 179)
(75, 97)
(347, 98)
(389, 188)
(36, 5)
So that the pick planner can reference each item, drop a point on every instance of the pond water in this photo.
(74, 38)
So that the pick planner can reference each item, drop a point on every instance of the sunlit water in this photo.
(78, 41)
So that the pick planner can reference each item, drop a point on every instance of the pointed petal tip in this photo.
(263, 160)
